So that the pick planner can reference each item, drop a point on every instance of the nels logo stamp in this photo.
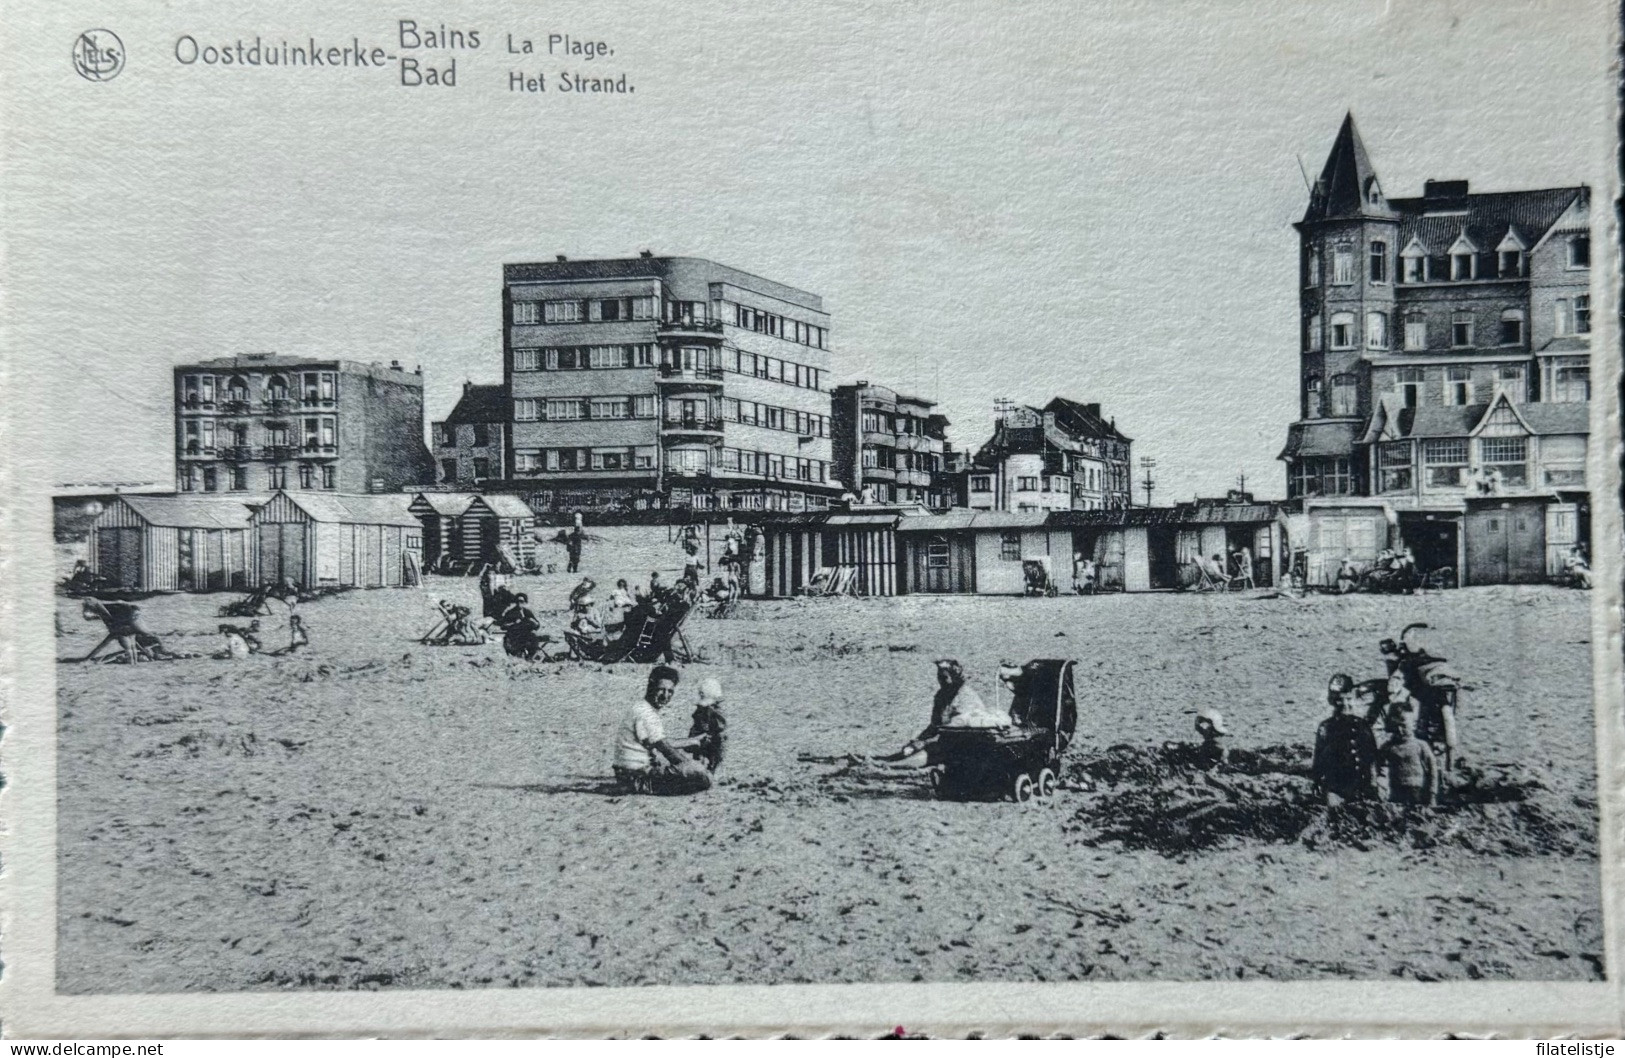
(98, 55)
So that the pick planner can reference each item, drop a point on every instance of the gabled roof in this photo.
(384, 509)
(1570, 343)
(1444, 421)
(1347, 182)
(504, 505)
(1557, 418)
(1079, 421)
(480, 405)
(1390, 422)
(445, 504)
(1500, 400)
(194, 512)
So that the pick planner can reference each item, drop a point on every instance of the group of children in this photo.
(1415, 706)
(122, 621)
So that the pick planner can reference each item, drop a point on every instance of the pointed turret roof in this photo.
(1348, 186)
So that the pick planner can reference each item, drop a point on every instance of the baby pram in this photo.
(1017, 761)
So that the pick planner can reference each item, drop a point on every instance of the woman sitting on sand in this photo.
(955, 704)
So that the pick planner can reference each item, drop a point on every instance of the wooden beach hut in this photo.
(500, 529)
(441, 515)
(856, 549)
(328, 540)
(174, 543)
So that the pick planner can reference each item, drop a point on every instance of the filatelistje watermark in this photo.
(1567, 1050)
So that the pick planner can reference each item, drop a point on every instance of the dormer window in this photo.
(1413, 262)
(1510, 255)
(1373, 193)
(1463, 260)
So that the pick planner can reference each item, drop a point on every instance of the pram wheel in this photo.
(935, 775)
(1046, 784)
(1024, 788)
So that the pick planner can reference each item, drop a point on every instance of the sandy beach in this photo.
(374, 813)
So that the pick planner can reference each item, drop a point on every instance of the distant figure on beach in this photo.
(1348, 577)
(1576, 569)
(1345, 748)
(236, 644)
(690, 539)
(520, 629)
(1083, 574)
(708, 728)
(581, 590)
(573, 542)
(645, 761)
(616, 607)
(122, 620)
(299, 636)
(1413, 774)
(1244, 566)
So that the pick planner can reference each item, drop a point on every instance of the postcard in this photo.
(602, 519)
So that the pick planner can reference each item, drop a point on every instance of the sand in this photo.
(380, 814)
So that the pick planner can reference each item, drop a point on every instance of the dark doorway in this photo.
(1163, 555)
(1434, 539)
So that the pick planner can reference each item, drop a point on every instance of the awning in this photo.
(1311, 439)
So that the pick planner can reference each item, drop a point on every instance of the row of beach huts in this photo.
(160, 543)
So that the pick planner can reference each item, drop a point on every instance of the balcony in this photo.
(235, 407)
(311, 450)
(280, 453)
(691, 425)
(195, 403)
(676, 374)
(879, 474)
(279, 405)
(237, 453)
(920, 478)
(698, 327)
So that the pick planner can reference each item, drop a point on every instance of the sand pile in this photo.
(1149, 798)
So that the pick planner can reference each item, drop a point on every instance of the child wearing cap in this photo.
(707, 733)
(1345, 748)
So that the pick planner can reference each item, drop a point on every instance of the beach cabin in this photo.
(499, 529)
(980, 552)
(859, 551)
(328, 540)
(174, 543)
(440, 514)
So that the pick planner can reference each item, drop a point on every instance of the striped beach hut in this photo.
(858, 547)
(328, 540)
(174, 543)
(499, 529)
(441, 514)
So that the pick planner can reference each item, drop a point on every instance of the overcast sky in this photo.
(994, 200)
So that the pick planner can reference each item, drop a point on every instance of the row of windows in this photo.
(906, 425)
(1463, 262)
(584, 358)
(313, 386)
(479, 434)
(779, 326)
(316, 431)
(687, 358)
(1445, 463)
(449, 472)
(1091, 478)
(1566, 380)
(696, 411)
(572, 409)
(892, 459)
(771, 417)
(1321, 477)
(593, 310)
(1572, 317)
(678, 461)
(237, 479)
(620, 310)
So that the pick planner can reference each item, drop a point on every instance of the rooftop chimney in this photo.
(1444, 189)
(646, 253)
(1092, 409)
(560, 257)
(395, 365)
